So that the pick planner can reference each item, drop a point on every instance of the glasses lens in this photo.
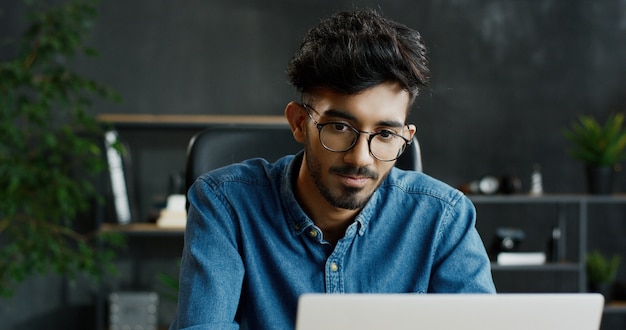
(341, 137)
(387, 148)
(338, 137)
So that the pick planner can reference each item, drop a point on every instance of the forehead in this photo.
(381, 103)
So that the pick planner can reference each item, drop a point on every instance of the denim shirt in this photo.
(250, 250)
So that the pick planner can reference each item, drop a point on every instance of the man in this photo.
(338, 217)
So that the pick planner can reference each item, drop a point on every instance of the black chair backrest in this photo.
(223, 144)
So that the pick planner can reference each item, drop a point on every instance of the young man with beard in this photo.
(337, 217)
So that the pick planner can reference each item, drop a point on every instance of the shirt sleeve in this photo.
(212, 270)
(461, 264)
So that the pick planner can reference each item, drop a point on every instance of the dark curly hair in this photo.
(353, 51)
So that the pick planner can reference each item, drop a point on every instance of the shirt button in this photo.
(333, 266)
(313, 233)
(297, 227)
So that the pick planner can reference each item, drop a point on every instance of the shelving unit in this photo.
(157, 146)
(567, 264)
(150, 139)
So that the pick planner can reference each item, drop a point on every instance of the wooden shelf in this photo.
(547, 198)
(615, 307)
(550, 266)
(145, 229)
(185, 120)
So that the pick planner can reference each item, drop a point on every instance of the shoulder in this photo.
(255, 171)
(421, 186)
(238, 186)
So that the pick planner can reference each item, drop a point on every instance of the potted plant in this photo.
(601, 147)
(50, 154)
(601, 272)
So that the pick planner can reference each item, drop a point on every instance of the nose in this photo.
(359, 155)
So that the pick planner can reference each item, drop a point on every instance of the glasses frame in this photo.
(308, 108)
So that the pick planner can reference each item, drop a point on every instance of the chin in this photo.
(350, 199)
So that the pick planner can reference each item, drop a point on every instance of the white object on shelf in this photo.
(174, 215)
(536, 181)
(118, 179)
(521, 258)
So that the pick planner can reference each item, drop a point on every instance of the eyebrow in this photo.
(347, 116)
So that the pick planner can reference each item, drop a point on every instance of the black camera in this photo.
(506, 240)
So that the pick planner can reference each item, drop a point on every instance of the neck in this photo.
(333, 221)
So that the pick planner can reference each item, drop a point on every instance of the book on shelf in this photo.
(118, 183)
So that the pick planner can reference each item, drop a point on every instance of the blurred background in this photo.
(507, 77)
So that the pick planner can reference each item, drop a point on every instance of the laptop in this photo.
(536, 311)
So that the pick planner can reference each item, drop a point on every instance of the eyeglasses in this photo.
(385, 145)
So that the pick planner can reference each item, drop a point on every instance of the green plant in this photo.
(49, 154)
(601, 270)
(596, 144)
(170, 283)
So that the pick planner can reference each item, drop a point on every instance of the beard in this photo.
(350, 198)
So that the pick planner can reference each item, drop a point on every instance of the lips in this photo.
(354, 177)
(354, 181)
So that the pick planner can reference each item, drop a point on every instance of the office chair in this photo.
(223, 144)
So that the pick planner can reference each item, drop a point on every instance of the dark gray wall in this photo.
(507, 76)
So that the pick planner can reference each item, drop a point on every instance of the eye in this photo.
(386, 134)
(340, 127)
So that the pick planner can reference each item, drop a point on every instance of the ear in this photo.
(297, 118)
(412, 130)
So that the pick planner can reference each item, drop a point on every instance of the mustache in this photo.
(354, 171)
